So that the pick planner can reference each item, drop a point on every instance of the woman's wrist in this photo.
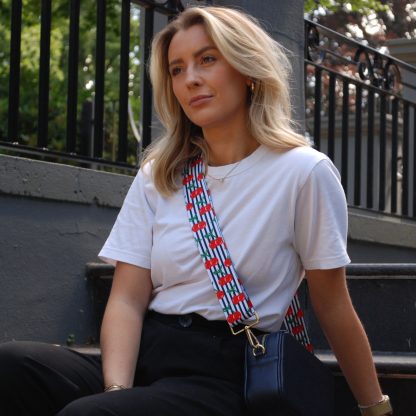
(380, 408)
(114, 387)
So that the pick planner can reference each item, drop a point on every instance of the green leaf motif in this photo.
(210, 235)
(220, 271)
(202, 201)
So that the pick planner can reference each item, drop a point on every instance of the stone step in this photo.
(384, 296)
(397, 375)
(375, 270)
(387, 364)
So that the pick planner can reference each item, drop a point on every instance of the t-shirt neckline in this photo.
(246, 163)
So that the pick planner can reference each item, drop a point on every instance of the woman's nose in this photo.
(193, 77)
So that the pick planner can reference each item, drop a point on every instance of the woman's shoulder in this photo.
(297, 165)
(143, 185)
(298, 159)
(305, 154)
(146, 170)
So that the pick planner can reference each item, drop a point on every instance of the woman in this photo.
(221, 90)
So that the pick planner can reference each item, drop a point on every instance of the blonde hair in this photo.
(249, 50)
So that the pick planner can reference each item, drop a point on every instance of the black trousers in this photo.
(187, 367)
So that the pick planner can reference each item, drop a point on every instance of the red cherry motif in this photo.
(200, 176)
(299, 313)
(216, 242)
(297, 329)
(309, 347)
(233, 317)
(189, 206)
(225, 279)
(196, 162)
(199, 226)
(198, 191)
(228, 262)
(187, 179)
(211, 263)
(289, 311)
(238, 298)
(206, 208)
(249, 303)
(220, 294)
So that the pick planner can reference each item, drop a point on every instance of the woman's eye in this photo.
(206, 59)
(175, 71)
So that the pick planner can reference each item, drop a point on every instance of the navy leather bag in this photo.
(287, 379)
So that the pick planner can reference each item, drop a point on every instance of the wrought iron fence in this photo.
(87, 146)
(357, 110)
(357, 113)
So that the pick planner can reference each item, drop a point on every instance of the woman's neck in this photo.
(227, 147)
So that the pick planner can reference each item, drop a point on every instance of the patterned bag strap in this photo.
(208, 236)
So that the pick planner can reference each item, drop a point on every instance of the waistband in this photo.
(194, 320)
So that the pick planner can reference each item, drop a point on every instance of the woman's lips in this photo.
(199, 100)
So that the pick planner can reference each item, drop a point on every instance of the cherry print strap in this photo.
(208, 236)
(232, 297)
(295, 323)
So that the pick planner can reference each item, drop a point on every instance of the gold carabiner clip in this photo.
(258, 347)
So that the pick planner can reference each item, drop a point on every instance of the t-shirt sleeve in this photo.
(321, 219)
(130, 240)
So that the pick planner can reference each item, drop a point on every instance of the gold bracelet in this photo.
(381, 408)
(114, 387)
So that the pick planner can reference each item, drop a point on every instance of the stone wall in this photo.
(54, 219)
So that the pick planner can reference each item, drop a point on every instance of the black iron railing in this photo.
(87, 146)
(358, 109)
(357, 113)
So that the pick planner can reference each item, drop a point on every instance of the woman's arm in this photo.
(344, 331)
(122, 323)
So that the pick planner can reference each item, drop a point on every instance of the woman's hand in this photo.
(333, 307)
(122, 324)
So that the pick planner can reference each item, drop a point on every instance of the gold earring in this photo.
(252, 87)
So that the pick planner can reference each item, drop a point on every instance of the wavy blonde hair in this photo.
(249, 50)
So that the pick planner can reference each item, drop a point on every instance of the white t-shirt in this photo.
(280, 213)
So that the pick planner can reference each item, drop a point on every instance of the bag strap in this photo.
(231, 294)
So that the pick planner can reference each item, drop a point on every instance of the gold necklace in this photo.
(222, 179)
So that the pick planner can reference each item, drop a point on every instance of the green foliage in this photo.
(70, 340)
(29, 69)
(360, 6)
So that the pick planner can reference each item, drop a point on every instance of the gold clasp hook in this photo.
(247, 326)
(258, 347)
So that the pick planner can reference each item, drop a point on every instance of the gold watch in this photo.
(382, 408)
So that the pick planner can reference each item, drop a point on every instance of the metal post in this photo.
(14, 74)
(71, 116)
(44, 62)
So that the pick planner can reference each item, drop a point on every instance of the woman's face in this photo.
(209, 90)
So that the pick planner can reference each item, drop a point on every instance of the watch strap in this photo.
(382, 408)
